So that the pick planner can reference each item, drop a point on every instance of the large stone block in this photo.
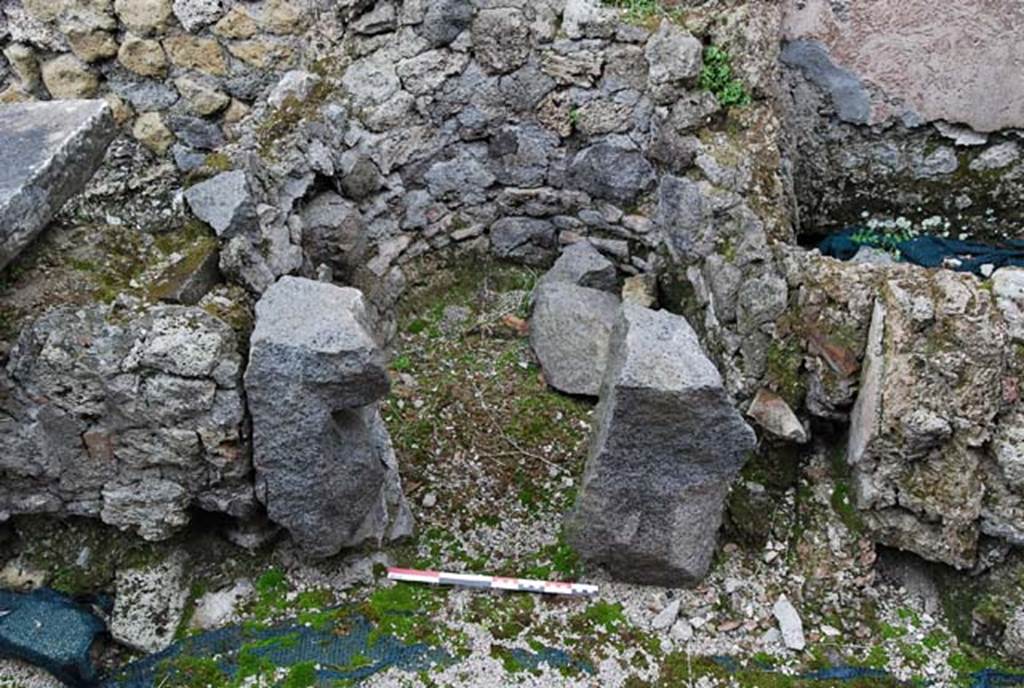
(49, 151)
(325, 468)
(666, 447)
(581, 264)
(930, 392)
(132, 423)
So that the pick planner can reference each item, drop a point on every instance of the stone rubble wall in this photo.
(175, 72)
(132, 418)
(512, 130)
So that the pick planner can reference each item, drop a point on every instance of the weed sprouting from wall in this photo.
(717, 77)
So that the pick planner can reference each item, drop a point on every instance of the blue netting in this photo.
(990, 678)
(352, 655)
(56, 633)
(844, 673)
(553, 657)
(927, 251)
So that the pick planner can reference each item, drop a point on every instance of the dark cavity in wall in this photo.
(944, 178)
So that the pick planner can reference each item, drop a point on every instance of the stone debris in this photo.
(325, 469)
(1013, 637)
(190, 277)
(20, 576)
(1008, 288)
(218, 608)
(666, 447)
(18, 674)
(224, 202)
(50, 151)
(641, 290)
(570, 328)
(149, 604)
(581, 264)
(771, 412)
(790, 625)
(666, 617)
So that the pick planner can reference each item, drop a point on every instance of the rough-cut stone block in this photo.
(149, 605)
(324, 464)
(613, 169)
(667, 445)
(224, 202)
(569, 331)
(772, 413)
(523, 238)
(49, 151)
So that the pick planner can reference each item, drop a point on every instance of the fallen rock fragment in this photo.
(581, 264)
(325, 468)
(666, 447)
(1013, 637)
(224, 202)
(641, 290)
(149, 603)
(771, 412)
(215, 609)
(790, 625)
(666, 617)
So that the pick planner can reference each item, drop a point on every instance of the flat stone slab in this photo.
(49, 151)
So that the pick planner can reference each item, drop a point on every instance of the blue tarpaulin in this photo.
(927, 251)
(51, 631)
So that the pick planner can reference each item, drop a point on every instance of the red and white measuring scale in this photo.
(468, 580)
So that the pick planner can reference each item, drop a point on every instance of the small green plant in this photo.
(302, 675)
(646, 11)
(887, 240)
(717, 77)
(574, 117)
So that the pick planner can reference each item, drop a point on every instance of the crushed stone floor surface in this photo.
(491, 458)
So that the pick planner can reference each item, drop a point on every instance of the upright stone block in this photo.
(569, 331)
(667, 445)
(325, 468)
(49, 151)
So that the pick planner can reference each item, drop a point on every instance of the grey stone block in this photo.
(224, 202)
(667, 445)
(569, 331)
(49, 152)
(581, 264)
(325, 468)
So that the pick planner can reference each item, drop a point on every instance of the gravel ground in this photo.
(490, 458)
